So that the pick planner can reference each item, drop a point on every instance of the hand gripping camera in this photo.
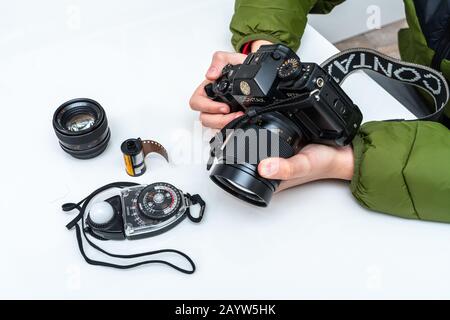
(288, 104)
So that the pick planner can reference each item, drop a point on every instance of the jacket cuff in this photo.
(381, 152)
(253, 37)
(246, 48)
(357, 145)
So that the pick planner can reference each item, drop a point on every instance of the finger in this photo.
(218, 121)
(287, 184)
(221, 59)
(204, 104)
(200, 101)
(285, 169)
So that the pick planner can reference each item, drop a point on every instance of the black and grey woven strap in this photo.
(346, 62)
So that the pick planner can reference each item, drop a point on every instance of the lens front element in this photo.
(80, 122)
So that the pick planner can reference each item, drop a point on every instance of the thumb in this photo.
(221, 59)
(285, 169)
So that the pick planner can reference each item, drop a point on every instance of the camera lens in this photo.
(82, 128)
(80, 122)
(271, 135)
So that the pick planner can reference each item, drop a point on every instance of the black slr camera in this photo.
(295, 103)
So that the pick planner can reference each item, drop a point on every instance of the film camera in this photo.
(294, 103)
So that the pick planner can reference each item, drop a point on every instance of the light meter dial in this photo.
(159, 201)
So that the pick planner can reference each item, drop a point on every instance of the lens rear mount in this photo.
(82, 128)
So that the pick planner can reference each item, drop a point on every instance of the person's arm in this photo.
(272, 20)
(399, 168)
(403, 168)
(276, 21)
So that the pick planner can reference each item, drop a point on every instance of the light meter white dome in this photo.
(101, 212)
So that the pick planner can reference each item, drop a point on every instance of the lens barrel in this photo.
(244, 182)
(238, 176)
(82, 128)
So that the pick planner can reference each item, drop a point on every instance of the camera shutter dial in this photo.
(289, 69)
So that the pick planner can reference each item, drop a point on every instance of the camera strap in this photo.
(80, 233)
(344, 63)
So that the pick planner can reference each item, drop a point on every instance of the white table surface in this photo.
(141, 60)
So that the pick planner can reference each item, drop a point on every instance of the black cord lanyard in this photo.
(80, 231)
(195, 199)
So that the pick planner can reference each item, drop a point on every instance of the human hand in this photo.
(258, 43)
(313, 162)
(215, 114)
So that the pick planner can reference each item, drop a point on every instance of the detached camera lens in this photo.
(82, 128)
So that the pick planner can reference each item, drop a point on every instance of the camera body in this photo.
(138, 212)
(288, 105)
(275, 73)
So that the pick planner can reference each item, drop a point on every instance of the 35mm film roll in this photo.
(134, 153)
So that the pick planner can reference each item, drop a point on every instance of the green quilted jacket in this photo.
(401, 168)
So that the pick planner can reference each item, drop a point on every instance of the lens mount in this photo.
(82, 128)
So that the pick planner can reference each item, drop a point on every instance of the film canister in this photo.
(134, 153)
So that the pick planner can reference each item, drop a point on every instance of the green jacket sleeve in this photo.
(403, 169)
(278, 21)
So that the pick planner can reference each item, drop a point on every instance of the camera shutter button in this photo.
(226, 69)
(276, 55)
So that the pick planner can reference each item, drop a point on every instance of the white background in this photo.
(354, 17)
(141, 60)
